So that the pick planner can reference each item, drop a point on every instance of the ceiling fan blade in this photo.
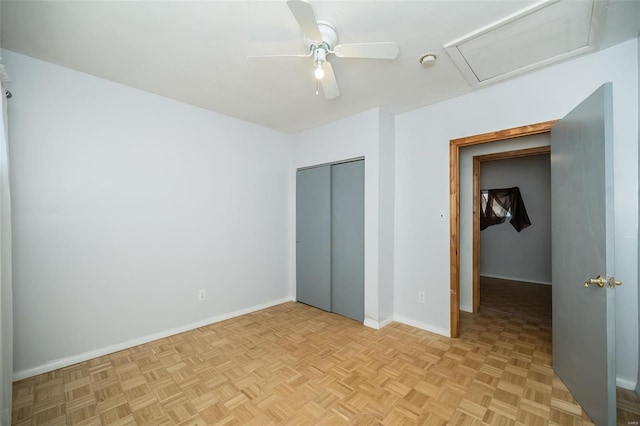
(382, 50)
(329, 82)
(280, 56)
(303, 12)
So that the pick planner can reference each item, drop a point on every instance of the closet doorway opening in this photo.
(330, 237)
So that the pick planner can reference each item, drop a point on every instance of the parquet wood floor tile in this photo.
(294, 364)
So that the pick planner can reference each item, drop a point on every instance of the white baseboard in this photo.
(422, 325)
(5, 417)
(67, 361)
(74, 359)
(626, 383)
(515, 279)
(371, 323)
(466, 308)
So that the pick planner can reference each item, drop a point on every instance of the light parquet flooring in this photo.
(532, 303)
(294, 364)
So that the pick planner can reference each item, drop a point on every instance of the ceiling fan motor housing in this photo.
(329, 36)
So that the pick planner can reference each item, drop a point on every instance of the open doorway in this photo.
(456, 145)
(507, 252)
(497, 329)
(582, 170)
(512, 240)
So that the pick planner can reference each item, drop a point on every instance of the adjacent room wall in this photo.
(422, 180)
(525, 255)
(125, 205)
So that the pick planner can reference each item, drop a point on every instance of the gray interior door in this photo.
(582, 249)
(313, 233)
(347, 239)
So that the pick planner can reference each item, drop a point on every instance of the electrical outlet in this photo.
(421, 297)
(202, 294)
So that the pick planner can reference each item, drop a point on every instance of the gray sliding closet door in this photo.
(347, 239)
(313, 233)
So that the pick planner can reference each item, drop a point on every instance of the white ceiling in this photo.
(195, 51)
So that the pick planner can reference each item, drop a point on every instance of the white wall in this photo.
(525, 255)
(422, 180)
(386, 258)
(125, 205)
(466, 204)
(363, 135)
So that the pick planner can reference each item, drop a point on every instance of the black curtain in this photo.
(498, 203)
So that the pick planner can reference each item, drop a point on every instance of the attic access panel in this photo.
(539, 35)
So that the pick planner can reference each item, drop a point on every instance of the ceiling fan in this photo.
(321, 39)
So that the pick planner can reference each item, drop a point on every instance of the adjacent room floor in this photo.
(296, 364)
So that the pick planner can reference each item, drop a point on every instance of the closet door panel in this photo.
(313, 232)
(347, 239)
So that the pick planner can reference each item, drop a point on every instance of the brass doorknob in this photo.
(600, 281)
(613, 282)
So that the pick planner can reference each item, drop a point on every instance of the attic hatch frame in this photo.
(454, 203)
(467, 65)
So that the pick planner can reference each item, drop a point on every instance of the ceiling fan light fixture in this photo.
(319, 72)
(319, 58)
